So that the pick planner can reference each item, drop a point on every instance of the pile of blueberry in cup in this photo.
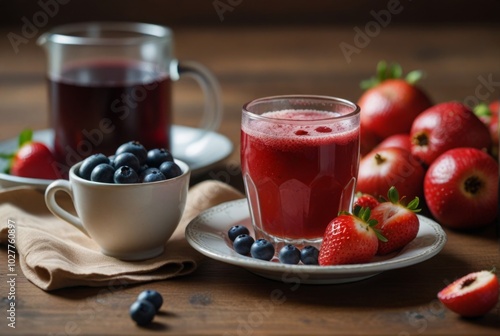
(132, 163)
(245, 244)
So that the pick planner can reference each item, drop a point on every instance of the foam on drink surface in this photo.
(325, 128)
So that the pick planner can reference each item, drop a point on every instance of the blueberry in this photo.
(103, 173)
(309, 255)
(153, 176)
(262, 249)
(170, 169)
(142, 312)
(153, 297)
(125, 174)
(243, 243)
(127, 159)
(157, 156)
(289, 254)
(90, 163)
(236, 230)
(135, 148)
(147, 170)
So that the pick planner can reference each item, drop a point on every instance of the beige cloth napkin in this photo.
(53, 254)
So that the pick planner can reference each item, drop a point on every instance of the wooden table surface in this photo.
(220, 299)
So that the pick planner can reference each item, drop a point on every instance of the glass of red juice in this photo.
(299, 158)
(110, 83)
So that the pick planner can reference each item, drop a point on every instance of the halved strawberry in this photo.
(32, 159)
(349, 239)
(396, 221)
(472, 295)
(365, 201)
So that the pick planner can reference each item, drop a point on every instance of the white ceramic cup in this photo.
(128, 221)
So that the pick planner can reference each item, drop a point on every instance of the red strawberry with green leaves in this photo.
(350, 239)
(472, 295)
(391, 103)
(365, 201)
(32, 159)
(397, 222)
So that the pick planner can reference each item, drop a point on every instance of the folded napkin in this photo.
(53, 254)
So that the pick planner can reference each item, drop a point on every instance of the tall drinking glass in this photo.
(299, 158)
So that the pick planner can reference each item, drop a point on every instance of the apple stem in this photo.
(379, 159)
(421, 139)
(473, 184)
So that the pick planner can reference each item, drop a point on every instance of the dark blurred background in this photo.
(255, 12)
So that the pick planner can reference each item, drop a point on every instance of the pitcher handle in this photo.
(212, 114)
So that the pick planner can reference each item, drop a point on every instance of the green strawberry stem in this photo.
(24, 137)
(482, 110)
(391, 71)
(393, 196)
(364, 215)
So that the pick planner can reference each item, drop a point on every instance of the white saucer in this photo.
(212, 149)
(207, 233)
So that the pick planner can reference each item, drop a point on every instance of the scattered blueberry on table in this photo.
(144, 309)
(142, 312)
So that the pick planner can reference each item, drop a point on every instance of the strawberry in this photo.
(349, 239)
(397, 222)
(32, 159)
(365, 201)
(472, 295)
(391, 103)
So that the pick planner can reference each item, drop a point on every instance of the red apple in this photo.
(382, 168)
(446, 126)
(461, 188)
(396, 140)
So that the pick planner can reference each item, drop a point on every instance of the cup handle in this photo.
(55, 208)
(212, 114)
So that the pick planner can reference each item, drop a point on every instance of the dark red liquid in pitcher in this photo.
(98, 106)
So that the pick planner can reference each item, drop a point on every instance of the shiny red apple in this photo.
(445, 126)
(396, 140)
(461, 188)
(385, 167)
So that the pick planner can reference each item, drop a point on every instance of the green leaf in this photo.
(396, 71)
(413, 205)
(393, 195)
(482, 110)
(25, 136)
(381, 71)
(414, 76)
(380, 236)
(6, 156)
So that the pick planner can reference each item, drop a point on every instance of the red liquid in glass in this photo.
(98, 106)
(296, 175)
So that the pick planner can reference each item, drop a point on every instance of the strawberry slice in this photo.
(32, 159)
(472, 295)
(350, 239)
(397, 222)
